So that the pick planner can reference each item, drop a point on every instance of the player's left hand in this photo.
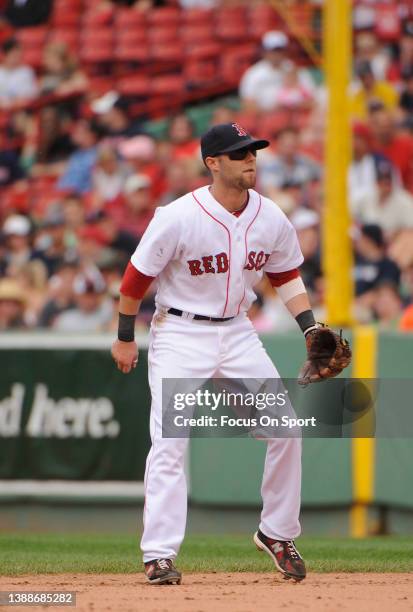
(125, 355)
(328, 353)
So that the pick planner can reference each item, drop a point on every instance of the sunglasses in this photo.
(241, 154)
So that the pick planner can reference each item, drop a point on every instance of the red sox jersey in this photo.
(207, 261)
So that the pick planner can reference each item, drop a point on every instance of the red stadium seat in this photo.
(197, 16)
(131, 52)
(127, 19)
(200, 72)
(97, 45)
(231, 14)
(168, 85)
(235, 61)
(232, 32)
(197, 33)
(165, 16)
(172, 53)
(136, 36)
(204, 50)
(33, 57)
(32, 37)
(137, 86)
(65, 18)
(161, 36)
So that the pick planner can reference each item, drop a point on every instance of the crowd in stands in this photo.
(81, 174)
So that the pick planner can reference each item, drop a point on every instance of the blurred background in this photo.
(101, 107)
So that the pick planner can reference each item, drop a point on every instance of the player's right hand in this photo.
(125, 355)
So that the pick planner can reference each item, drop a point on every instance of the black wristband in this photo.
(306, 320)
(126, 329)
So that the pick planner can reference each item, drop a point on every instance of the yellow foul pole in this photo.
(337, 254)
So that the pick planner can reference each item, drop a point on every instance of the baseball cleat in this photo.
(286, 557)
(162, 571)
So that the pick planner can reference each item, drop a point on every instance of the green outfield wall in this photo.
(67, 415)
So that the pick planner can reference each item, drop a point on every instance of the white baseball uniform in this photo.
(207, 262)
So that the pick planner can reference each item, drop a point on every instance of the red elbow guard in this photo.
(134, 283)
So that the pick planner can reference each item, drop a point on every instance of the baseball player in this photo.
(207, 250)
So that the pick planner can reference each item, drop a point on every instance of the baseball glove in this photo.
(328, 353)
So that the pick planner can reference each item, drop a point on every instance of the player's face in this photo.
(238, 173)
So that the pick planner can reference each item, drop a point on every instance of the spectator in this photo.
(390, 207)
(372, 266)
(59, 296)
(362, 171)
(112, 113)
(368, 49)
(404, 59)
(61, 74)
(293, 95)
(10, 169)
(387, 306)
(261, 84)
(119, 240)
(12, 302)
(182, 141)
(406, 97)
(17, 239)
(77, 176)
(109, 176)
(92, 310)
(395, 146)
(135, 209)
(306, 223)
(370, 91)
(17, 81)
(285, 164)
(141, 153)
(51, 245)
(23, 13)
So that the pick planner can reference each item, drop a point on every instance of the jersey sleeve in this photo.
(158, 244)
(286, 253)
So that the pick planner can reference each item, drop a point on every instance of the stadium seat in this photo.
(170, 85)
(134, 86)
(32, 37)
(161, 36)
(127, 19)
(196, 33)
(132, 52)
(204, 50)
(170, 54)
(164, 16)
(33, 57)
(197, 16)
(200, 72)
(232, 31)
(97, 45)
(230, 14)
(235, 61)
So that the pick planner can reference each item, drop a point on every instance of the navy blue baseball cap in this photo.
(228, 137)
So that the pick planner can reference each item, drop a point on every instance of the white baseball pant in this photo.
(183, 348)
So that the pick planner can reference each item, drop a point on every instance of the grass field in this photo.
(95, 554)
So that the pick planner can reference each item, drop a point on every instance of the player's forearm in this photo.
(298, 304)
(128, 305)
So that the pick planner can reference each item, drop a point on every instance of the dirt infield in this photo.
(236, 592)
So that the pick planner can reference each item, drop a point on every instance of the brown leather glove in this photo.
(328, 353)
